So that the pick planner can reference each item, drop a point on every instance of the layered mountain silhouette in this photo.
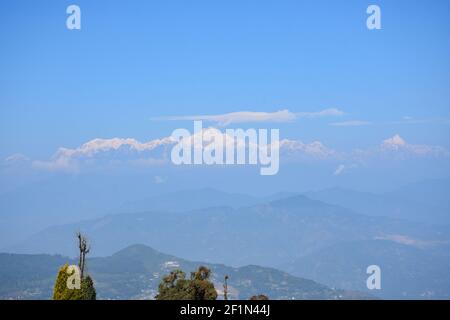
(407, 271)
(294, 234)
(428, 201)
(136, 271)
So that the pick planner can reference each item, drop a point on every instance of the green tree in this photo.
(175, 286)
(80, 286)
(87, 289)
(61, 290)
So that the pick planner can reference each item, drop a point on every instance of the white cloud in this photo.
(332, 112)
(289, 149)
(352, 123)
(56, 164)
(16, 158)
(408, 120)
(399, 145)
(239, 117)
(339, 170)
(102, 145)
(132, 152)
(66, 159)
(394, 142)
(344, 168)
(251, 116)
(396, 147)
(315, 149)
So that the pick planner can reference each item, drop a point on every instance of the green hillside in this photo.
(135, 272)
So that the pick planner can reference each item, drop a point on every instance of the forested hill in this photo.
(136, 271)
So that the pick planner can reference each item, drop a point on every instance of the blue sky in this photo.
(136, 60)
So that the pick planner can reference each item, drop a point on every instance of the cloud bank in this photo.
(130, 151)
(251, 116)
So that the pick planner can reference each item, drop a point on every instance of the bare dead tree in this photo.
(84, 248)
(225, 288)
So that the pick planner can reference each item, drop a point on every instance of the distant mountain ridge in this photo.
(407, 272)
(427, 201)
(190, 200)
(278, 234)
(61, 200)
(280, 231)
(135, 272)
(35, 207)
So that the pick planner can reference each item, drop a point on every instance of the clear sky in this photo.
(136, 60)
